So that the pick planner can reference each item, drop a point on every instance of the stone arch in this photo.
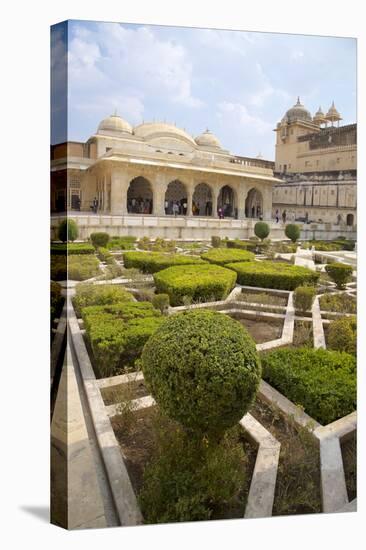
(254, 204)
(227, 201)
(202, 200)
(140, 196)
(350, 219)
(176, 194)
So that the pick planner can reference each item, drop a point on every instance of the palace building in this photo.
(157, 169)
(317, 160)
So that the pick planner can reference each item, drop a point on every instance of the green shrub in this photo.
(99, 239)
(342, 335)
(222, 256)
(304, 298)
(242, 245)
(105, 256)
(203, 369)
(117, 333)
(144, 243)
(292, 231)
(339, 273)
(68, 230)
(80, 268)
(341, 303)
(121, 243)
(161, 302)
(197, 282)
(72, 248)
(58, 267)
(151, 262)
(190, 480)
(56, 300)
(261, 230)
(326, 246)
(99, 295)
(321, 381)
(215, 241)
(269, 274)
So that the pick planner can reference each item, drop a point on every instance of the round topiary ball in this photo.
(68, 230)
(261, 230)
(203, 369)
(292, 231)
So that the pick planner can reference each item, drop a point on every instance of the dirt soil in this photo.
(298, 477)
(349, 455)
(122, 392)
(260, 330)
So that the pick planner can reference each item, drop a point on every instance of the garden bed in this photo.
(136, 438)
(259, 329)
(340, 303)
(267, 298)
(349, 456)
(298, 476)
(124, 392)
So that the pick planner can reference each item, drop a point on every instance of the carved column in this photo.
(119, 185)
(267, 201)
(242, 195)
(160, 184)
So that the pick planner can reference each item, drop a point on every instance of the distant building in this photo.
(317, 160)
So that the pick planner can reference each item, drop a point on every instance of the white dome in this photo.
(149, 130)
(114, 124)
(207, 139)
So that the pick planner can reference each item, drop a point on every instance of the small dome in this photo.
(319, 117)
(297, 112)
(150, 130)
(207, 139)
(333, 114)
(114, 124)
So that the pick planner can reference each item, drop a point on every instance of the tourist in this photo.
(277, 216)
(95, 205)
(253, 211)
(220, 213)
(185, 206)
(175, 208)
(284, 216)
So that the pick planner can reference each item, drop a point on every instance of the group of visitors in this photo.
(176, 208)
(139, 206)
(286, 216)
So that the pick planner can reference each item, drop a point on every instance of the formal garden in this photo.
(224, 372)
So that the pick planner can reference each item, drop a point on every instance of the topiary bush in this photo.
(72, 248)
(68, 230)
(99, 239)
(161, 302)
(203, 369)
(242, 245)
(342, 335)
(276, 275)
(117, 333)
(151, 262)
(304, 297)
(215, 241)
(222, 256)
(99, 295)
(321, 381)
(292, 231)
(80, 268)
(105, 256)
(339, 273)
(197, 282)
(261, 230)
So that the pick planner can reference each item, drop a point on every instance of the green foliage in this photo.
(117, 333)
(304, 298)
(105, 256)
(161, 302)
(56, 300)
(83, 267)
(99, 295)
(333, 246)
(269, 274)
(151, 262)
(203, 369)
(190, 480)
(58, 267)
(321, 381)
(222, 256)
(261, 230)
(215, 241)
(242, 245)
(159, 245)
(292, 231)
(342, 335)
(202, 283)
(121, 243)
(341, 303)
(71, 248)
(339, 273)
(99, 239)
(68, 230)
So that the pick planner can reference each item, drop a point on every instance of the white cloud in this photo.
(238, 118)
(264, 89)
(296, 55)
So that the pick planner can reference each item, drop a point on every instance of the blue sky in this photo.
(238, 84)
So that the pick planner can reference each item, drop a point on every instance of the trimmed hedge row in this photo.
(242, 245)
(80, 268)
(222, 256)
(339, 273)
(121, 243)
(117, 333)
(321, 381)
(72, 248)
(277, 275)
(196, 282)
(151, 262)
(99, 295)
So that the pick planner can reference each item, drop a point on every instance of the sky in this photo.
(237, 84)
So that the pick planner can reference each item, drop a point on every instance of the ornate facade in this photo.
(317, 161)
